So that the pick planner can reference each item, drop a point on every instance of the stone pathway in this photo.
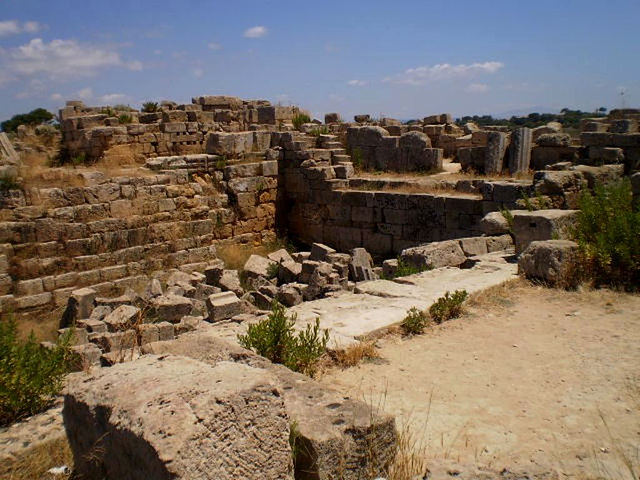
(379, 304)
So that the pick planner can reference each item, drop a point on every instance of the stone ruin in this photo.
(132, 263)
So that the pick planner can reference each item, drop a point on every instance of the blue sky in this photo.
(404, 59)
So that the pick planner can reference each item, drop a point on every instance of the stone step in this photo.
(338, 151)
(338, 159)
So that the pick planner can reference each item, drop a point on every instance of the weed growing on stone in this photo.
(124, 118)
(150, 107)
(404, 269)
(9, 182)
(448, 306)
(275, 339)
(354, 354)
(299, 120)
(608, 230)
(30, 375)
(415, 322)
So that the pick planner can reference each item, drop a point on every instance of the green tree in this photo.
(35, 117)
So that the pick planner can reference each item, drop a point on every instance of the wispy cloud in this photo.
(256, 32)
(356, 83)
(442, 71)
(114, 98)
(14, 27)
(84, 94)
(61, 59)
(198, 73)
(214, 46)
(477, 88)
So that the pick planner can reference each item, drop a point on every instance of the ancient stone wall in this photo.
(114, 231)
(173, 130)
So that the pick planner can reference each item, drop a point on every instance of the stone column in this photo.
(496, 148)
(520, 150)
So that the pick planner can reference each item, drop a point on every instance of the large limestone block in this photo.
(258, 266)
(79, 306)
(122, 318)
(222, 306)
(337, 437)
(173, 417)
(552, 261)
(541, 225)
(171, 307)
(435, 255)
(494, 223)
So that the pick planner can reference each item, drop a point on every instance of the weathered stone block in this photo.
(435, 255)
(552, 261)
(541, 225)
(222, 306)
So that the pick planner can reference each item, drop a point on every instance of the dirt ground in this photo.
(531, 380)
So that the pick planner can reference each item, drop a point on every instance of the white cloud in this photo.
(336, 98)
(56, 97)
(256, 32)
(9, 27)
(198, 72)
(114, 98)
(61, 59)
(214, 46)
(84, 94)
(477, 88)
(13, 27)
(442, 71)
(356, 83)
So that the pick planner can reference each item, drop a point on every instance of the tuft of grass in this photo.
(415, 322)
(9, 182)
(300, 119)
(355, 354)
(30, 375)
(125, 118)
(607, 232)
(405, 269)
(36, 461)
(150, 107)
(275, 339)
(508, 216)
(448, 306)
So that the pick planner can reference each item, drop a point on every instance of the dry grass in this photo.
(354, 354)
(497, 297)
(504, 175)
(35, 463)
(410, 459)
(235, 255)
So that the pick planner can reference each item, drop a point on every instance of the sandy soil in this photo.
(531, 380)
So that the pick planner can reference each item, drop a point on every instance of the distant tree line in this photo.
(35, 117)
(567, 117)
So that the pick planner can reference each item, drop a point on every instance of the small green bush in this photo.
(150, 107)
(405, 268)
(30, 375)
(272, 270)
(608, 232)
(448, 306)
(415, 321)
(9, 182)
(300, 119)
(274, 338)
(221, 162)
(124, 118)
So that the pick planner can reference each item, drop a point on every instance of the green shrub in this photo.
(275, 339)
(508, 216)
(30, 375)
(150, 107)
(272, 270)
(221, 162)
(356, 159)
(608, 232)
(448, 306)
(405, 268)
(9, 182)
(415, 321)
(34, 117)
(125, 118)
(300, 119)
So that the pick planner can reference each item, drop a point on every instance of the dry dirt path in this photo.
(522, 383)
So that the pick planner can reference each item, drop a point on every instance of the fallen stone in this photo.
(291, 294)
(122, 318)
(81, 357)
(230, 282)
(541, 225)
(152, 290)
(340, 438)
(499, 243)
(552, 261)
(79, 306)
(280, 256)
(361, 265)
(214, 272)
(171, 308)
(222, 306)
(389, 268)
(319, 252)
(257, 266)
(288, 272)
(435, 255)
(174, 417)
(494, 223)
